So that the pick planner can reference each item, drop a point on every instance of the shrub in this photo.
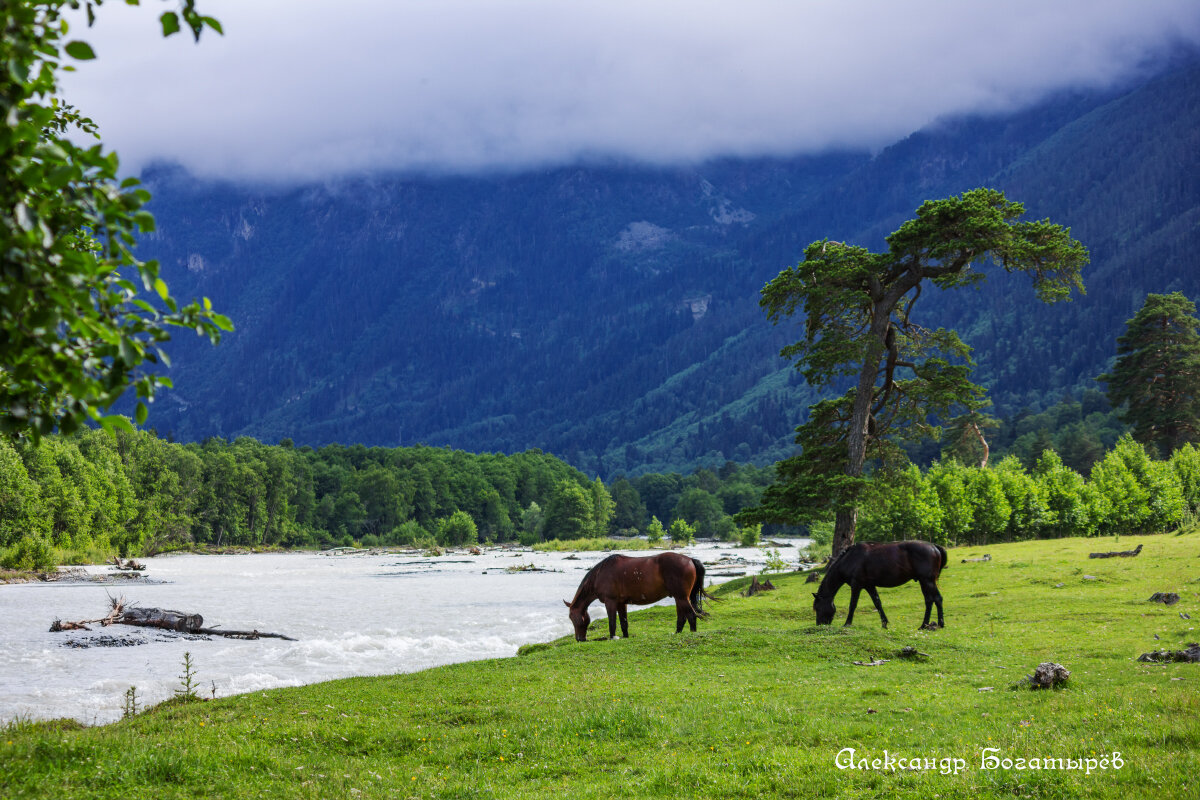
(457, 529)
(29, 555)
(682, 533)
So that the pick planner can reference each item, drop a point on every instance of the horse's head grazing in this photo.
(823, 606)
(580, 619)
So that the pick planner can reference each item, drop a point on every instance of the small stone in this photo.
(1048, 675)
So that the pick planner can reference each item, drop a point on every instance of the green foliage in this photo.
(902, 505)
(629, 512)
(1156, 377)
(750, 535)
(75, 330)
(654, 531)
(136, 494)
(187, 680)
(1128, 493)
(457, 529)
(857, 307)
(531, 525)
(1186, 463)
(569, 513)
(30, 554)
(1070, 502)
(406, 533)
(775, 562)
(682, 533)
(990, 508)
(701, 509)
(592, 544)
(602, 508)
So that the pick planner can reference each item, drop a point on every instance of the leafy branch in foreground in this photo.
(859, 329)
(74, 332)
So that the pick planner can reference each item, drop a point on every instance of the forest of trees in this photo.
(1127, 492)
(1069, 471)
(94, 493)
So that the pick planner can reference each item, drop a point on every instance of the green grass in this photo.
(757, 704)
(594, 544)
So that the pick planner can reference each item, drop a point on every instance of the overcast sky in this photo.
(299, 89)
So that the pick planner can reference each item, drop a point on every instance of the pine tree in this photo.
(1156, 378)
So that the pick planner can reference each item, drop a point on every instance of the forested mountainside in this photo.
(609, 313)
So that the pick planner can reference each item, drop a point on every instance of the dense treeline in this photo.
(1127, 492)
(90, 495)
(93, 494)
(136, 494)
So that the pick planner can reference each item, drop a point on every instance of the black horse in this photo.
(619, 580)
(866, 566)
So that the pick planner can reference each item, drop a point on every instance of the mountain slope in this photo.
(608, 313)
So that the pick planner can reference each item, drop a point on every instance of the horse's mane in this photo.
(830, 571)
(589, 580)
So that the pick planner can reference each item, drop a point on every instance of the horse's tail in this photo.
(945, 557)
(698, 593)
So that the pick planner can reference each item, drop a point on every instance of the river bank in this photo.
(352, 613)
(759, 703)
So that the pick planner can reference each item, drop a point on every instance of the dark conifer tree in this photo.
(1156, 379)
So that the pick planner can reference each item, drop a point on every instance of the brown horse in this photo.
(866, 565)
(620, 580)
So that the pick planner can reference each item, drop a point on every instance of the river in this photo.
(359, 614)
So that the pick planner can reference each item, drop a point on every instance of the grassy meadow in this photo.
(759, 703)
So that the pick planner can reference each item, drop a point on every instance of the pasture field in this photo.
(759, 703)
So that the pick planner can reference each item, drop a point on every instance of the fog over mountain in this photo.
(303, 91)
(608, 313)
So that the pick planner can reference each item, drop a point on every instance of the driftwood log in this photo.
(756, 587)
(1117, 553)
(123, 613)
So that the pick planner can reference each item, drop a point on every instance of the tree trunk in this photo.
(982, 441)
(843, 530)
(856, 438)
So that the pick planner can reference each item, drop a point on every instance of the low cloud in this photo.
(305, 90)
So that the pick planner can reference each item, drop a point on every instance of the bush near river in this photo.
(758, 703)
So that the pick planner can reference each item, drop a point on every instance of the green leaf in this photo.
(81, 51)
(221, 321)
(170, 23)
(160, 286)
(141, 413)
(114, 422)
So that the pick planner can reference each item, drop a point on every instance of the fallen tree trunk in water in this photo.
(124, 614)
